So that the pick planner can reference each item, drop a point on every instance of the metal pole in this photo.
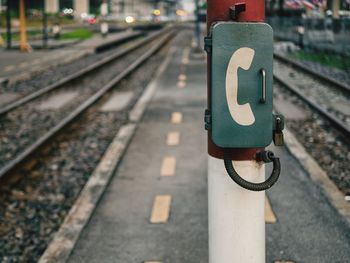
(103, 22)
(45, 36)
(8, 24)
(335, 8)
(236, 215)
(22, 27)
(197, 27)
(343, 49)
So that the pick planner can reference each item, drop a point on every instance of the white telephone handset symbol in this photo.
(241, 58)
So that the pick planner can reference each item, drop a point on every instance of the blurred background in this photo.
(72, 70)
(318, 30)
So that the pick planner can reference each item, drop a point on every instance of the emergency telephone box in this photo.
(242, 76)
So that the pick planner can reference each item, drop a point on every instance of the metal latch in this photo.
(278, 130)
(236, 10)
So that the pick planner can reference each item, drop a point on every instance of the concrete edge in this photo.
(84, 51)
(136, 113)
(318, 175)
(112, 42)
(64, 241)
(36, 70)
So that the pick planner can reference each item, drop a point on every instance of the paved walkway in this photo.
(166, 160)
(155, 208)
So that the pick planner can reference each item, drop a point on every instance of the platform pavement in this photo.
(15, 65)
(308, 228)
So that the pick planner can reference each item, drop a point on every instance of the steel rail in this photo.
(9, 107)
(340, 125)
(339, 85)
(10, 166)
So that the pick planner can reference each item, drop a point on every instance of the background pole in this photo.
(22, 27)
(8, 24)
(236, 215)
(197, 26)
(45, 31)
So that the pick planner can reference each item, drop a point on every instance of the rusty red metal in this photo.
(219, 10)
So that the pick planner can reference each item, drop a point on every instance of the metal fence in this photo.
(320, 34)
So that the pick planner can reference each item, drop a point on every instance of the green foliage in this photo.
(30, 35)
(80, 33)
(329, 60)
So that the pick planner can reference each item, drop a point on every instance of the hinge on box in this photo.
(207, 120)
(208, 43)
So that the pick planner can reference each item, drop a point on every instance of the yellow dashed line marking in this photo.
(181, 84)
(168, 166)
(173, 138)
(176, 117)
(161, 209)
(270, 217)
(182, 77)
(185, 56)
(9, 68)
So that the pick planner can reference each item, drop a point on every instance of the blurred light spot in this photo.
(181, 12)
(129, 19)
(156, 12)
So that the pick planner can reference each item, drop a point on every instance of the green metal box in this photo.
(242, 76)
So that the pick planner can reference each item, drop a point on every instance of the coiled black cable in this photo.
(265, 156)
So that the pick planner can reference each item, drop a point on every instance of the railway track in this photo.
(157, 41)
(315, 118)
(78, 74)
(332, 81)
(321, 93)
(37, 196)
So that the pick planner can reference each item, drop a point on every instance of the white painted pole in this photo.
(52, 6)
(335, 8)
(104, 9)
(104, 13)
(236, 215)
(81, 7)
